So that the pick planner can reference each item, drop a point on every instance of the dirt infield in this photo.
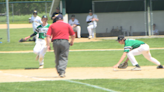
(21, 75)
(13, 26)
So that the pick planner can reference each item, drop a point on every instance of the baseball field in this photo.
(89, 66)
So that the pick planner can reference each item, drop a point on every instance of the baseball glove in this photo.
(123, 65)
(22, 40)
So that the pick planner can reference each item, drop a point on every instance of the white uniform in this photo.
(155, 32)
(77, 28)
(40, 47)
(92, 25)
(36, 21)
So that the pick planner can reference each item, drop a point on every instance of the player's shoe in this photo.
(89, 37)
(62, 75)
(160, 67)
(41, 66)
(37, 57)
(136, 69)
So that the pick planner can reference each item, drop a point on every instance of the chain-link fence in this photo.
(21, 11)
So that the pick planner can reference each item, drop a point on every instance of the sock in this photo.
(137, 65)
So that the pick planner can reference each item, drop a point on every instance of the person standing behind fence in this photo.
(75, 25)
(55, 14)
(155, 30)
(60, 31)
(36, 21)
(92, 23)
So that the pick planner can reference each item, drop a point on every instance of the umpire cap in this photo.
(59, 17)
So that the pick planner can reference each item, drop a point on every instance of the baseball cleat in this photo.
(62, 75)
(89, 37)
(41, 66)
(136, 69)
(160, 67)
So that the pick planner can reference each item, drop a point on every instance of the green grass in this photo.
(21, 19)
(121, 85)
(76, 59)
(17, 34)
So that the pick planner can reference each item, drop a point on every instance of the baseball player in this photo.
(135, 47)
(75, 25)
(92, 23)
(40, 46)
(35, 20)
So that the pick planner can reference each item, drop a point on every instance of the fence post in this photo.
(7, 15)
(13, 12)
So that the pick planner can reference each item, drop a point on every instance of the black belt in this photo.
(60, 39)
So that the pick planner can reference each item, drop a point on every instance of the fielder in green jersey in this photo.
(132, 44)
(132, 48)
(40, 46)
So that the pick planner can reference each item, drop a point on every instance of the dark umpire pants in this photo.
(61, 50)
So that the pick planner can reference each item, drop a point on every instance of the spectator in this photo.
(75, 25)
(92, 23)
(55, 14)
(155, 30)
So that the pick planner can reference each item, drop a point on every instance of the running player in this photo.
(40, 46)
(35, 20)
(135, 47)
(92, 23)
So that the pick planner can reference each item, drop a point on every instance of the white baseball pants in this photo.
(40, 49)
(143, 49)
(91, 30)
(78, 30)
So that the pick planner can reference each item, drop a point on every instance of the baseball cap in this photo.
(44, 16)
(72, 15)
(57, 8)
(120, 37)
(90, 11)
(35, 11)
(59, 16)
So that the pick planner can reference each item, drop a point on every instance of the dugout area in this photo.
(127, 17)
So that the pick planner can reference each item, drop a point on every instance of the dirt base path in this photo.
(21, 75)
(13, 26)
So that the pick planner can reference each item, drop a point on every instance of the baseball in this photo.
(114, 69)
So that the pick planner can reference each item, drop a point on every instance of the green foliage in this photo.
(24, 8)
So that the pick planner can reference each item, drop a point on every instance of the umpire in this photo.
(60, 31)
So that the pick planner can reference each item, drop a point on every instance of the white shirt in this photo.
(89, 18)
(73, 22)
(36, 21)
(155, 32)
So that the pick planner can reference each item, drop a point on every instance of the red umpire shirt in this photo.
(60, 30)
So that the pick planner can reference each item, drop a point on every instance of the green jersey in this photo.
(132, 44)
(42, 31)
